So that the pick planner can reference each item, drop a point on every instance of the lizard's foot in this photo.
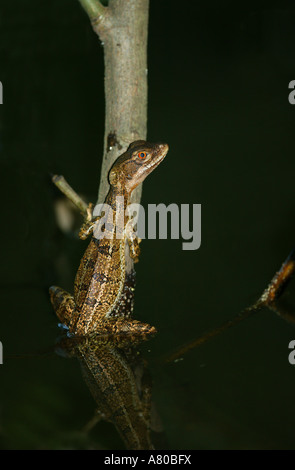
(134, 249)
(88, 227)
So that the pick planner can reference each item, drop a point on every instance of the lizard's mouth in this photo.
(161, 153)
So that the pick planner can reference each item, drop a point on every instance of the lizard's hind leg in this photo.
(63, 304)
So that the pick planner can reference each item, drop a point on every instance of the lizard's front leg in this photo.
(88, 226)
(133, 242)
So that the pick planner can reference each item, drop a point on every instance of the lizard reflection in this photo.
(119, 382)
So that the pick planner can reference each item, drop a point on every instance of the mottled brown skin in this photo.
(103, 293)
(118, 381)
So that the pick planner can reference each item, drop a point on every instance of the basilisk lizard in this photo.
(103, 292)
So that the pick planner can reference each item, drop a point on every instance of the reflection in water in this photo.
(119, 381)
(118, 378)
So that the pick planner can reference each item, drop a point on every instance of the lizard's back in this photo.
(97, 291)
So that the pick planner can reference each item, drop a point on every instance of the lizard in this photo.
(103, 291)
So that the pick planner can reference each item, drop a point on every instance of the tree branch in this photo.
(125, 57)
(123, 28)
(94, 9)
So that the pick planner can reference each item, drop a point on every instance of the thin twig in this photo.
(268, 299)
(279, 281)
(94, 9)
(211, 334)
(69, 192)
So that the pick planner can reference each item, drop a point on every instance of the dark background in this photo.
(218, 94)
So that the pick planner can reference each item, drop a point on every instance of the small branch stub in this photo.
(61, 183)
(94, 9)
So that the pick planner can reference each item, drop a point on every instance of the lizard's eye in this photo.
(141, 155)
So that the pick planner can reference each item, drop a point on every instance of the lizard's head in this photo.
(133, 166)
